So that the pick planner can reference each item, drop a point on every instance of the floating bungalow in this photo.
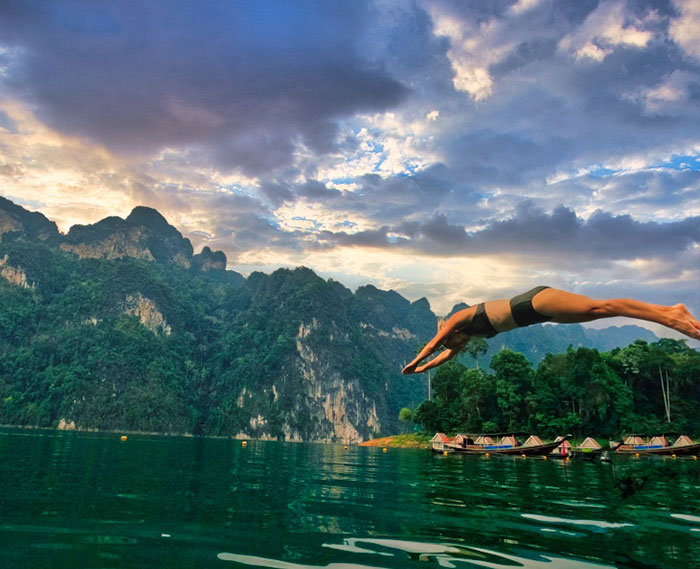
(563, 450)
(589, 449)
(656, 444)
(484, 440)
(441, 443)
(508, 441)
(497, 443)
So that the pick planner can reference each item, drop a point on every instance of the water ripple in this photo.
(446, 555)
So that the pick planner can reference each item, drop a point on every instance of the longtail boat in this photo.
(656, 445)
(503, 444)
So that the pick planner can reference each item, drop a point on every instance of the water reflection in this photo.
(86, 500)
(450, 556)
(594, 525)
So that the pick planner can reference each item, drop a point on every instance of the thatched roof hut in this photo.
(508, 440)
(439, 441)
(591, 443)
(634, 440)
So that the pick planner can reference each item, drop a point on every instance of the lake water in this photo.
(84, 501)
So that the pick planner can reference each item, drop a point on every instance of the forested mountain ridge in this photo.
(118, 325)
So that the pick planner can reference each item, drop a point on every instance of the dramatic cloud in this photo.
(448, 149)
(536, 234)
(246, 79)
(684, 29)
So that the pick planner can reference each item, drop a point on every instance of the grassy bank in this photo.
(413, 440)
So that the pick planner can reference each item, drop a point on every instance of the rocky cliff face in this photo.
(14, 275)
(144, 234)
(341, 409)
(321, 373)
(147, 313)
(18, 223)
(209, 260)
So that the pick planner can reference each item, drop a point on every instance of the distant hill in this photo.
(119, 325)
(612, 337)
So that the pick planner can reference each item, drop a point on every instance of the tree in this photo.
(405, 416)
(478, 394)
(513, 382)
(427, 415)
(477, 346)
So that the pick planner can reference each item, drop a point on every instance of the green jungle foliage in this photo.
(582, 392)
(68, 349)
(285, 355)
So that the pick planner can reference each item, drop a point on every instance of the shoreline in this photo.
(122, 432)
(393, 441)
(419, 441)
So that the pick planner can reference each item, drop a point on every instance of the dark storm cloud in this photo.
(248, 79)
(651, 190)
(386, 200)
(602, 236)
(491, 159)
(277, 193)
(235, 203)
(370, 238)
(239, 233)
(316, 191)
(536, 233)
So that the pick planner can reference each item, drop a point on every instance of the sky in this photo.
(458, 151)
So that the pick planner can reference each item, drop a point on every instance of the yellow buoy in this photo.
(345, 447)
(636, 455)
(695, 457)
(123, 437)
(522, 456)
(544, 457)
(444, 453)
(487, 455)
(384, 449)
(244, 443)
(673, 455)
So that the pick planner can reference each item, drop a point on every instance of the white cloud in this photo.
(684, 30)
(72, 181)
(671, 96)
(609, 26)
(467, 57)
(522, 6)
(386, 144)
(473, 47)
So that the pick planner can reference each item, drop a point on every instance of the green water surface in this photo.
(85, 500)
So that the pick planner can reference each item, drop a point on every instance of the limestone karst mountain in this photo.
(117, 325)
